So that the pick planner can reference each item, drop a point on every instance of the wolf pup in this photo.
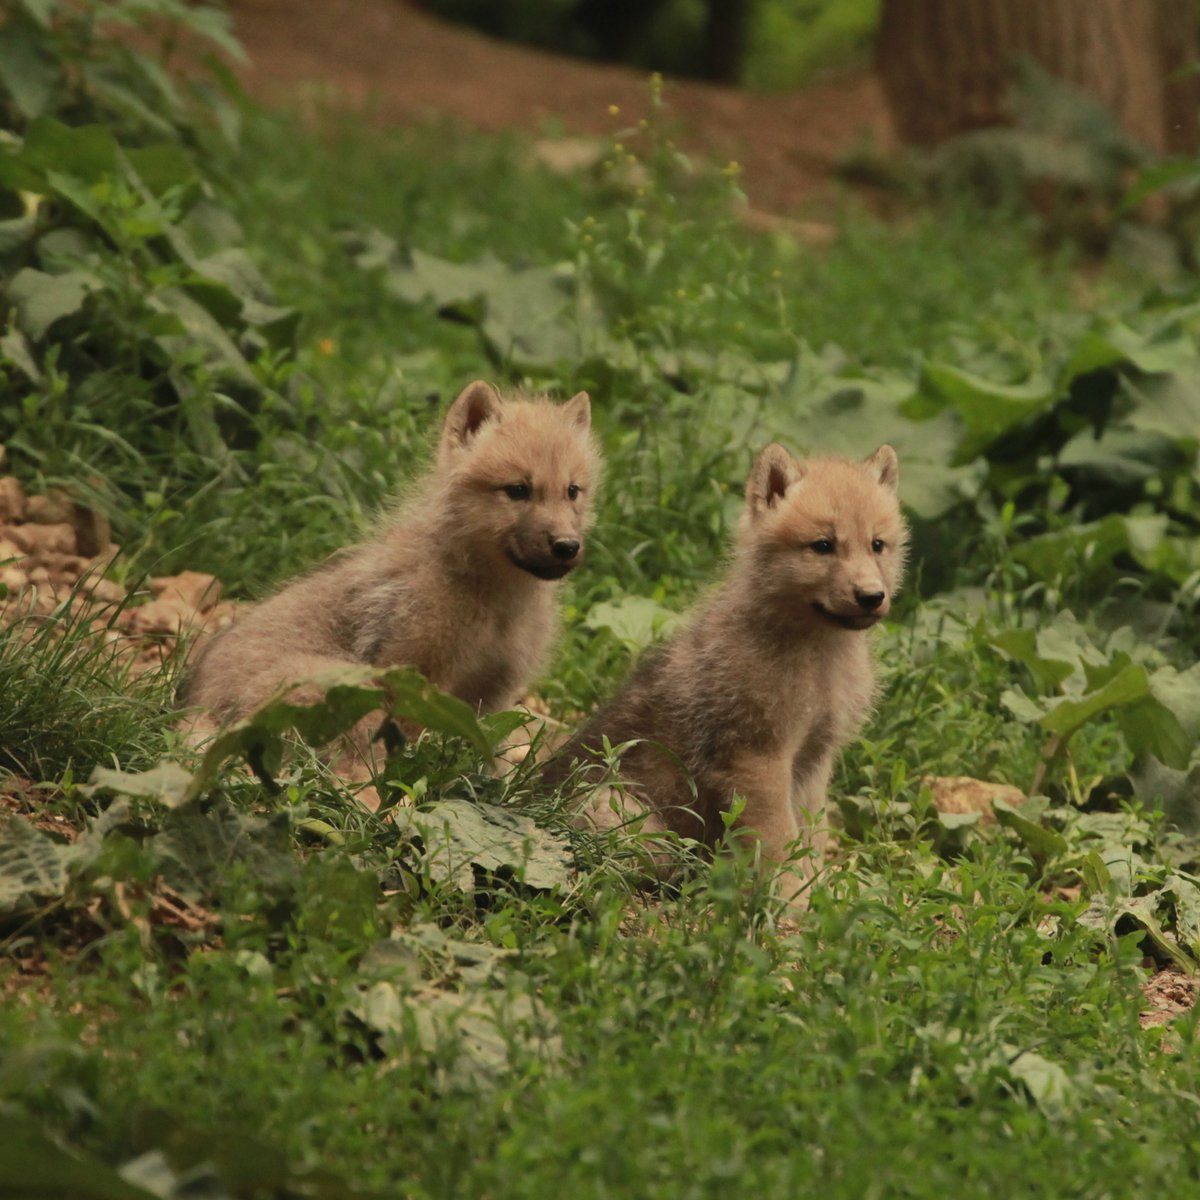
(772, 675)
(459, 584)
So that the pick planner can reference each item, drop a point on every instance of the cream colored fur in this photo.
(458, 584)
(772, 675)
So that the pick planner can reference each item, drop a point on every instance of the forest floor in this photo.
(403, 65)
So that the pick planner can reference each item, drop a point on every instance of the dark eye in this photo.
(573, 490)
(878, 545)
(518, 491)
(822, 546)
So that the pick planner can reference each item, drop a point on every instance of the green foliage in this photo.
(790, 40)
(241, 984)
(142, 349)
(787, 41)
(67, 699)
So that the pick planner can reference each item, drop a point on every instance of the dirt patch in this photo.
(1168, 994)
(53, 556)
(404, 66)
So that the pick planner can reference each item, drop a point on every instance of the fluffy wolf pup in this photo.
(772, 675)
(460, 582)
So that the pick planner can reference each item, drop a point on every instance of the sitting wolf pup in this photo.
(459, 584)
(772, 675)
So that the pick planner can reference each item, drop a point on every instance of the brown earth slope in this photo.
(407, 66)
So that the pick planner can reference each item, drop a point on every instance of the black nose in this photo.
(869, 601)
(565, 548)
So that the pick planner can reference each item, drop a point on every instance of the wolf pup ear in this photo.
(477, 403)
(578, 411)
(885, 466)
(774, 471)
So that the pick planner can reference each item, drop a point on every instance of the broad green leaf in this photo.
(1179, 691)
(411, 695)
(1167, 405)
(1103, 915)
(1176, 792)
(350, 694)
(200, 840)
(833, 414)
(1152, 728)
(525, 313)
(1117, 343)
(33, 867)
(468, 1035)
(637, 621)
(1049, 666)
(1160, 175)
(1091, 548)
(34, 1167)
(986, 409)
(42, 299)
(167, 783)
(1047, 1083)
(1145, 911)
(1122, 455)
(459, 836)
(84, 152)
(1043, 844)
(163, 166)
(1186, 897)
(15, 349)
(1022, 707)
(79, 193)
(1096, 875)
(1128, 686)
(27, 73)
(202, 328)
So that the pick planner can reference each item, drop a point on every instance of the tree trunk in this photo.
(946, 64)
(725, 39)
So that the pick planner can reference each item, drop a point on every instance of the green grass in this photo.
(267, 982)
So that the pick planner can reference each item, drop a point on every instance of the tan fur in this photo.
(458, 584)
(772, 675)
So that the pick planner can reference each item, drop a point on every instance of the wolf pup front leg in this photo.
(772, 674)
(458, 583)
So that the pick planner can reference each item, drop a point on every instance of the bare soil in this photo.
(404, 66)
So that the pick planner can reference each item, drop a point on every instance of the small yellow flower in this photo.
(619, 147)
(326, 346)
(614, 110)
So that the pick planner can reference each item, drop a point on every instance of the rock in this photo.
(54, 508)
(569, 155)
(13, 578)
(64, 566)
(962, 794)
(193, 588)
(36, 540)
(12, 499)
(103, 590)
(167, 615)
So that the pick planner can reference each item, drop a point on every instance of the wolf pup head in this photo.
(520, 473)
(825, 536)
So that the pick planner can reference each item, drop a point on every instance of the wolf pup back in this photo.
(458, 584)
(770, 676)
